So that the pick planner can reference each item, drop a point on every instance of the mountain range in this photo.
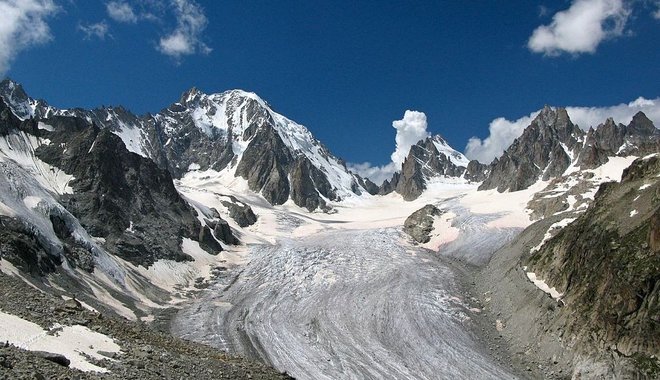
(99, 202)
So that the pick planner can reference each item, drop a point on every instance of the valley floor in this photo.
(346, 296)
(343, 304)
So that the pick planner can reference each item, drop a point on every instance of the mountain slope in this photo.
(577, 291)
(431, 159)
(552, 146)
(543, 151)
(617, 234)
(225, 132)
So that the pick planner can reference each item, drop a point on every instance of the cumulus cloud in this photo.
(376, 174)
(409, 131)
(580, 28)
(23, 25)
(121, 11)
(502, 132)
(99, 30)
(186, 37)
(587, 117)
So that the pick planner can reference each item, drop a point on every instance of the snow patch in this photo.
(552, 231)
(543, 286)
(173, 276)
(83, 304)
(644, 186)
(443, 232)
(633, 213)
(131, 136)
(74, 342)
(6, 210)
(31, 201)
(45, 127)
(19, 148)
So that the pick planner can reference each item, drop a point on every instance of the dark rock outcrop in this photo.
(420, 223)
(552, 143)
(307, 183)
(265, 165)
(19, 246)
(222, 231)
(476, 171)
(240, 212)
(118, 195)
(366, 183)
(425, 161)
(542, 152)
(616, 235)
(207, 241)
(52, 357)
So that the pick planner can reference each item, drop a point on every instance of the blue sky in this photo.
(345, 69)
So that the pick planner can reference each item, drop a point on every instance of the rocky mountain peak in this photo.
(190, 96)
(554, 122)
(641, 126)
(430, 158)
(552, 143)
(16, 98)
(13, 90)
(544, 150)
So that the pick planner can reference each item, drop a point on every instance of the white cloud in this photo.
(377, 174)
(23, 25)
(409, 131)
(121, 11)
(186, 38)
(587, 117)
(502, 132)
(99, 30)
(580, 28)
(656, 14)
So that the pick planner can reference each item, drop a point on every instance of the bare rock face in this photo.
(426, 161)
(222, 231)
(207, 241)
(19, 246)
(654, 233)
(304, 189)
(601, 143)
(476, 171)
(541, 152)
(366, 184)
(118, 195)
(606, 265)
(420, 223)
(240, 212)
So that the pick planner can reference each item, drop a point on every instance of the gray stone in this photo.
(420, 223)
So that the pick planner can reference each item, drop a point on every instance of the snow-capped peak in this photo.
(236, 111)
(456, 157)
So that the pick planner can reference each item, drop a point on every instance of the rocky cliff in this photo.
(431, 159)
(552, 143)
(234, 131)
(582, 300)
